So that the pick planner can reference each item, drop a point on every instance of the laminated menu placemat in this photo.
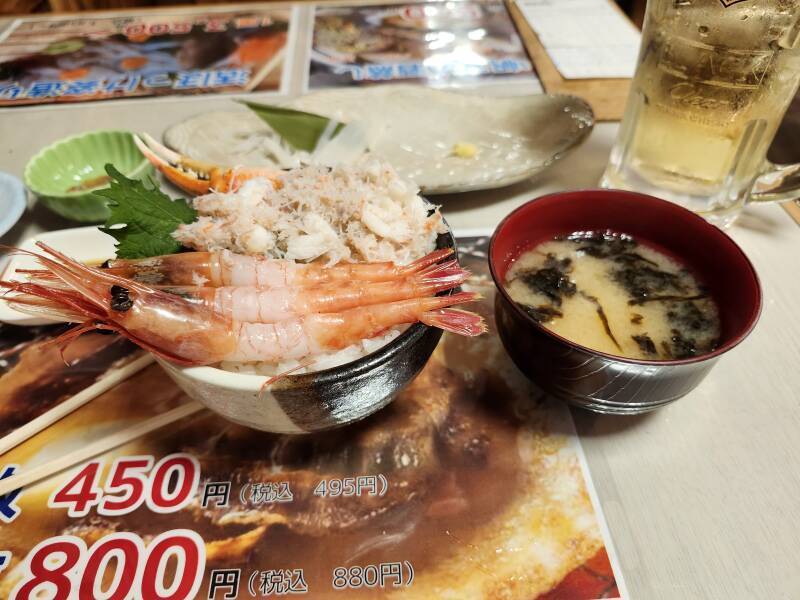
(98, 57)
(471, 484)
(440, 43)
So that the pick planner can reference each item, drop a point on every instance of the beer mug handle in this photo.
(778, 183)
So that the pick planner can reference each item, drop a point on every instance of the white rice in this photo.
(320, 361)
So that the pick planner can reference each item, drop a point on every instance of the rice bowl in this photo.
(314, 401)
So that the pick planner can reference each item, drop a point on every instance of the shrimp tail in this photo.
(452, 300)
(454, 320)
(427, 260)
(442, 273)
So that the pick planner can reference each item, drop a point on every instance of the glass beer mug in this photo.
(713, 81)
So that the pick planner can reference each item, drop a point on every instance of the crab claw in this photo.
(195, 176)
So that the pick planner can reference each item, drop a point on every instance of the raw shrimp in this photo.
(190, 333)
(224, 268)
(269, 305)
(326, 332)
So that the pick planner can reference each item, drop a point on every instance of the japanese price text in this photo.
(60, 566)
(120, 566)
(165, 487)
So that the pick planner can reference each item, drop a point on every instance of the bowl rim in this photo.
(250, 381)
(712, 229)
(140, 167)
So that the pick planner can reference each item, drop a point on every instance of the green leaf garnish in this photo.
(301, 130)
(149, 216)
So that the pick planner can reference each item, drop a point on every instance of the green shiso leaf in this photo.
(147, 215)
(301, 130)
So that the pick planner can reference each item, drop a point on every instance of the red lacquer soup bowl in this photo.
(596, 380)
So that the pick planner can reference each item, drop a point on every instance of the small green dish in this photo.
(55, 171)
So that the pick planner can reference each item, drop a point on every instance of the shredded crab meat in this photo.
(359, 212)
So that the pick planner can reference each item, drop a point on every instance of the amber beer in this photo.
(713, 81)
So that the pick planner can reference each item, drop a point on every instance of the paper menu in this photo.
(200, 51)
(471, 483)
(586, 39)
(439, 43)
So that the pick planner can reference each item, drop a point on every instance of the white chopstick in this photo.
(61, 410)
(128, 434)
(268, 67)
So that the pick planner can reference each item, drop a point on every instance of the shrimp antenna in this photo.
(71, 268)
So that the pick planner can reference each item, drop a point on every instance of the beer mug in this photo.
(713, 81)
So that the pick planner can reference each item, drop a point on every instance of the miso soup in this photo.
(608, 292)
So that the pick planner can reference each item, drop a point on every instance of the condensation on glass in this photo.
(713, 81)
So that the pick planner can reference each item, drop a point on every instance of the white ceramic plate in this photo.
(87, 244)
(416, 128)
(12, 201)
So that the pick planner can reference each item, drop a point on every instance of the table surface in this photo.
(702, 497)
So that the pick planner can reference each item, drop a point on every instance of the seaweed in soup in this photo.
(688, 316)
(552, 281)
(679, 346)
(633, 258)
(611, 273)
(541, 313)
(602, 244)
(646, 344)
(667, 298)
(603, 318)
(639, 275)
(642, 281)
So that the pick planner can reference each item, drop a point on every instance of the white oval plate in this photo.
(416, 128)
(12, 201)
(87, 244)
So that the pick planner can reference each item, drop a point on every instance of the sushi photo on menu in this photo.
(462, 42)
